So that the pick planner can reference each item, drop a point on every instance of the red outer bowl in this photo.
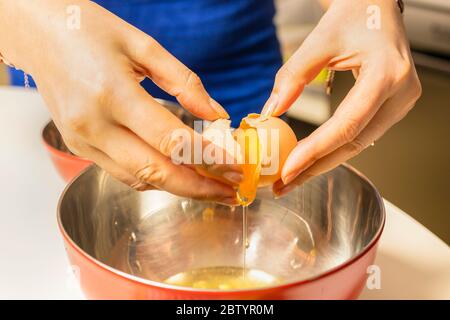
(67, 164)
(99, 281)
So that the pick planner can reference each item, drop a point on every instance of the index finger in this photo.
(175, 78)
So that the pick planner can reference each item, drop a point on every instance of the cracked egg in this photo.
(260, 145)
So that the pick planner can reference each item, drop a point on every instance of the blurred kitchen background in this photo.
(411, 164)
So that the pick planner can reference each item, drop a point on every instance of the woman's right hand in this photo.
(90, 79)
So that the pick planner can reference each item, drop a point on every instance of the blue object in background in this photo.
(230, 44)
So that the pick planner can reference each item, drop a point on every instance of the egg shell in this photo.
(276, 140)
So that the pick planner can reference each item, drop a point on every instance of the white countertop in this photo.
(414, 263)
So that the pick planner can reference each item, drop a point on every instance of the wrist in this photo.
(21, 32)
(399, 3)
(11, 22)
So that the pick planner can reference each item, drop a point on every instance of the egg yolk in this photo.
(247, 137)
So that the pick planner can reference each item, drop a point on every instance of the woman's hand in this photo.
(386, 86)
(89, 78)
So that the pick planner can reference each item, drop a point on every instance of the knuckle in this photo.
(129, 180)
(413, 93)
(153, 174)
(284, 74)
(191, 82)
(74, 146)
(78, 119)
(102, 93)
(416, 88)
(75, 121)
(141, 186)
(350, 130)
(77, 124)
(146, 47)
(406, 74)
(403, 71)
(356, 147)
(80, 125)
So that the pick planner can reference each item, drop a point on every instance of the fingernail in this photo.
(233, 177)
(219, 109)
(270, 106)
(289, 177)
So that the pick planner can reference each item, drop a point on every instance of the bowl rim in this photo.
(60, 153)
(165, 286)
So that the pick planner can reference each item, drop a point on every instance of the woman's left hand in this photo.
(348, 37)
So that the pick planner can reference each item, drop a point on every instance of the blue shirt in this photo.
(230, 44)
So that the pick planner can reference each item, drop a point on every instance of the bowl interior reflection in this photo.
(187, 235)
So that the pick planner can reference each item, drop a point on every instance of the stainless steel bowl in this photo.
(317, 230)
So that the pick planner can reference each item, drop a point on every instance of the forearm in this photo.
(16, 21)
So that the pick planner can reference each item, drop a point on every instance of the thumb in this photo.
(176, 79)
(304, 65)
